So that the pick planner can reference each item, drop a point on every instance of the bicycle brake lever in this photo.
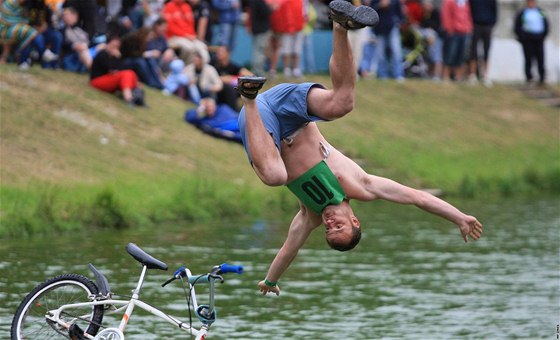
(168, 281)
(179, 273)
(215, 270)
(216, 277)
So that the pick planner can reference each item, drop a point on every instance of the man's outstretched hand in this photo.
(471, 227)
(265, 289)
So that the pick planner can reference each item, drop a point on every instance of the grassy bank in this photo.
(73, 157)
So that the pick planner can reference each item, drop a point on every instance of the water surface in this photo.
(411, 277)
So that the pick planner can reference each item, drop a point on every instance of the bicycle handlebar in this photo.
(216, 271)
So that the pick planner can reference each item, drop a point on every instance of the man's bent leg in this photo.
(338, 101)
(335, 103)
(266, 159)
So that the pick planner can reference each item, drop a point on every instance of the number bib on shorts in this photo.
(317, 188)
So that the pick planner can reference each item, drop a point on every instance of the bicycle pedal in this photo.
(76, 333)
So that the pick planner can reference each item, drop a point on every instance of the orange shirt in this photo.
(54, 5)
(180, 19)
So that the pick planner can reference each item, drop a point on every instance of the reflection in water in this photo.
(411, 276)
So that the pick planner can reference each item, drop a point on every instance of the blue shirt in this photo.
(533, 21)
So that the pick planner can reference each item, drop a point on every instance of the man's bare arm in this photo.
(384, 188)
(302, 225)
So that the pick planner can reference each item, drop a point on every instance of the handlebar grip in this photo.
(230, 268)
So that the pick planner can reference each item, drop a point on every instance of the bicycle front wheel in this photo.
(30, 323)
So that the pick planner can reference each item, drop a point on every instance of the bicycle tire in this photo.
(29, 322)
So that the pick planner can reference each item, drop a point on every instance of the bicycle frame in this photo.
(128, 307)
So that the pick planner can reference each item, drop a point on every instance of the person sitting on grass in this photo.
(107, 74)
(205, 77)
(229, 71)
(77, 53)
(142, 61)
(285, 147)
(16, 30)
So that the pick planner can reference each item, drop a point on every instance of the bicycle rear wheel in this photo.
(30, 323)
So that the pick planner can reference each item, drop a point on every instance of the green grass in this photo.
(73, 157)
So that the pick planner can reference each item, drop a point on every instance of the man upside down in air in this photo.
(285, 147)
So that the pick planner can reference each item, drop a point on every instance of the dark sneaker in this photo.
(351, 17)
(138, 97)
(249, 86)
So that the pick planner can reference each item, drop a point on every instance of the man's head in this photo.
(160, 27)
(222, 55)
(342, 227)
(531, 3)
(207, 107)
(70, 16)
(198, 61)
(428, 5)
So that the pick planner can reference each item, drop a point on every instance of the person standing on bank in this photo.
(484, 15)
(531, 28)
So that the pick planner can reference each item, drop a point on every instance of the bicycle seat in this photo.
(146, 259)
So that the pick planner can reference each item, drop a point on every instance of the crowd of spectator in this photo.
(428, 38)
(445, 40)
(182, 47)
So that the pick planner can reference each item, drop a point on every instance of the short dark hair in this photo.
(71, 9)
(345, 246)
(113, 36)
(159, 22)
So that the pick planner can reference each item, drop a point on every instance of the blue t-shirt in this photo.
(533, 21)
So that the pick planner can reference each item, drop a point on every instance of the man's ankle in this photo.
(339, 27)
(248, 102)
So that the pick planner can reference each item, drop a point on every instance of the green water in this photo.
(411, 277)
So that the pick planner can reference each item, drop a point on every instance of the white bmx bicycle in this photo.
(72, 306)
